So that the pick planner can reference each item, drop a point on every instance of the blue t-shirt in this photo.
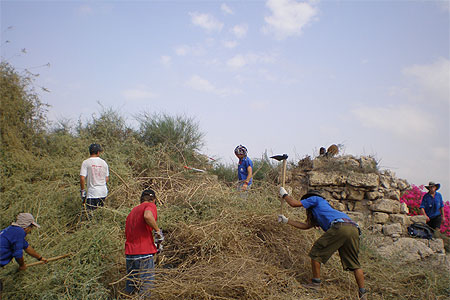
(12, 243)
(242, 169)
(432, 205)
(322, 211)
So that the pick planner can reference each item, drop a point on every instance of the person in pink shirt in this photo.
(140, 246)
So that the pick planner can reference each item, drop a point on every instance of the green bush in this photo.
(178, 132)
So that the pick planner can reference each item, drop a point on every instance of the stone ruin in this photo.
(370, 197)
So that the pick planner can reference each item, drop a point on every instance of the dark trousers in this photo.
(93, 203)
(435, 222)
(140, 269)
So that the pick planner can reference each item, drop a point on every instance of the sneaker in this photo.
(312, 286)
(362, 296)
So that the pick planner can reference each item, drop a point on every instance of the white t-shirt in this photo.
(95, 170)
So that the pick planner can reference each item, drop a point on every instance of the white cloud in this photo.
(229, 44)
(240, 31)
(402, 121)
(226, 9)
(240, 60)
(199, 84)
(166, 60)
(433, 80)
(203, 85)
(184, 50)
(289, 17)
(206, 21)
(139, 93)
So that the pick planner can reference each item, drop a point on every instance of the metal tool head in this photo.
(280, 157)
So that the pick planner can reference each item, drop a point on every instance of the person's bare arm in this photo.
(299, 225)
(82, 182)
(150, 220)
(30, 251)
(292, 202)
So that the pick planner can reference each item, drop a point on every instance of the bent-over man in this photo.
(341, 234)
(13, 243)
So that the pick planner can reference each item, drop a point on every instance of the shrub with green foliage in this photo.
(179, 132)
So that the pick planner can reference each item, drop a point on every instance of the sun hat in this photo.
(24, 220)
(431, 183)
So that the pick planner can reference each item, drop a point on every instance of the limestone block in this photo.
(358, 217)
(362, 206)
(369, 180)
(385, 181)
(437, 245)
(354, 194)
(406, 250)
(399, 218)
(418, 218)
(402, 184)
(393, 194)
(380, 217)
(350, 161)
(374, 195)
(367, 163)
(326, 179)
(337, 205)
(386, 205)
(375, 228)
(390, 229)
(404, 208)
(337, 195)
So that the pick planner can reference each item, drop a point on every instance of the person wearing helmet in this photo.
(94, 174)
(245, 168)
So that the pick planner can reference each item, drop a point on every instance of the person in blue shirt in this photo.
(341, 234)
(432, 206)
(13, 243)
(245, 168)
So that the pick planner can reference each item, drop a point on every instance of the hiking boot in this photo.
(312, 286)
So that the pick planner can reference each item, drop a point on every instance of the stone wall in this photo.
(355, 186)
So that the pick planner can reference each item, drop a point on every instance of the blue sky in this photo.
(279, 75)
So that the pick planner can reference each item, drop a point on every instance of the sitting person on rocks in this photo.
(341, 234)
(432, 206)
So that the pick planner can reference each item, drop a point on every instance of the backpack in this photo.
(420, 230)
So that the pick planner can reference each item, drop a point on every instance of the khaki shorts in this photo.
(342, 237)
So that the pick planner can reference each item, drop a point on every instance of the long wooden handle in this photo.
(283, 181)
(48, 260)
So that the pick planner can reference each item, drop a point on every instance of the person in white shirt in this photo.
(94, 175)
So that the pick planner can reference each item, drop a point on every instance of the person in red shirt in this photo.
(140, 246)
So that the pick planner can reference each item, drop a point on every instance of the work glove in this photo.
(159, 237)
(282, 219)
(83, 195)
(283, 192)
